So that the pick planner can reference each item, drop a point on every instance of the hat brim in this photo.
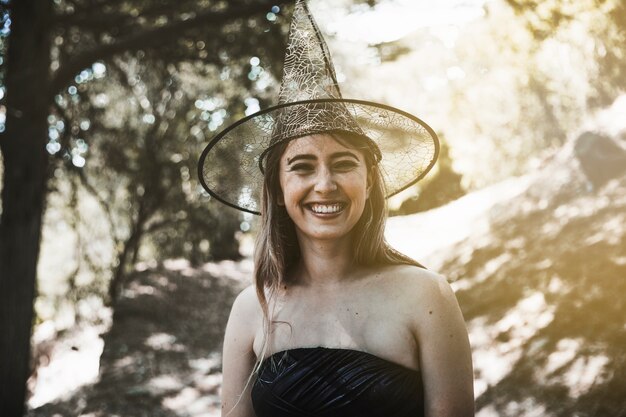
(229, 167)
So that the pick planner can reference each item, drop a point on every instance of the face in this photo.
(324, 186)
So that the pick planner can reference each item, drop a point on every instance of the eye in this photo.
(345, 165)
(301, 168)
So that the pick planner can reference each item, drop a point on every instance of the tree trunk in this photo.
(23, 192)
(131, 247)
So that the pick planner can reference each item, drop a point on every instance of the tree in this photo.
(435, 191)
(25, 162)
(604, 19)
(76, 34)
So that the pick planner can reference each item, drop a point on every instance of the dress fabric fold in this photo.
(333, 382)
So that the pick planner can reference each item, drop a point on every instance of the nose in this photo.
(325, 182)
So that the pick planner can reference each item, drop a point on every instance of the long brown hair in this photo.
(277, 250)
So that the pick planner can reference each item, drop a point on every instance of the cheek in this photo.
(287, 188)
(290, 190)
(359, 185)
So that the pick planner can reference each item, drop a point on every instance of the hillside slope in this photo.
(539, 267)
(538, 264)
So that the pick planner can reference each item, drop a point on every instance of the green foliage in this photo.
(127, 130)
(504, 96)
(603, 20)
(438, 189)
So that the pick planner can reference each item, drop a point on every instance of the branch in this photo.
(152, 38)
(157, 225)
(90, 17)
(108, 211)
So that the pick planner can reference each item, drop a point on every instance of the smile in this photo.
(326, 208)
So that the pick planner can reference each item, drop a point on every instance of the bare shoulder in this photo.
(238, 356)
(247, 299)
(419, 282)
(427, 294)
(247, 307)
(436, 321)
(245, 316)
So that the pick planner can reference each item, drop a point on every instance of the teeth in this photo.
(332, 208)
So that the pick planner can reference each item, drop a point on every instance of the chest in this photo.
(365, 319)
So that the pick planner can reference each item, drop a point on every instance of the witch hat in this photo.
(310, 102)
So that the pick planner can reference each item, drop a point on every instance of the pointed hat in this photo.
(310, 102)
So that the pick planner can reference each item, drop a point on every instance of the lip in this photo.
(309, 207)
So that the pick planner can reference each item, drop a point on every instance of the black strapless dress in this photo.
(334, 382)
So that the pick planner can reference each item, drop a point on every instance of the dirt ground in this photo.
(162, 354)
(541, 287)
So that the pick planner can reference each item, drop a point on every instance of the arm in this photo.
(238, 356)
(445, 354)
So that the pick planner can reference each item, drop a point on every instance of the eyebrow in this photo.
(311, 157)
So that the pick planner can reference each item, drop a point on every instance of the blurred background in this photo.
(525, 212)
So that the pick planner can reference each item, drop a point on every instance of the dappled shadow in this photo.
(543, 295)
(542, 289)
(162, 355)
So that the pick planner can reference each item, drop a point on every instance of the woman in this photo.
(337, 323)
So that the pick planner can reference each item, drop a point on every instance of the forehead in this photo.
(320, 145)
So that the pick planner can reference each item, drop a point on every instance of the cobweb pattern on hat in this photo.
(308, 72)
(310, 102)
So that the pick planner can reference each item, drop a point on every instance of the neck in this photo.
(325, 263)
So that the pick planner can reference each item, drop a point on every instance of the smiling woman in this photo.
(327, 186)
(324, 186)
(338, 323)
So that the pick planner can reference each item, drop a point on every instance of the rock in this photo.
(601, 159)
